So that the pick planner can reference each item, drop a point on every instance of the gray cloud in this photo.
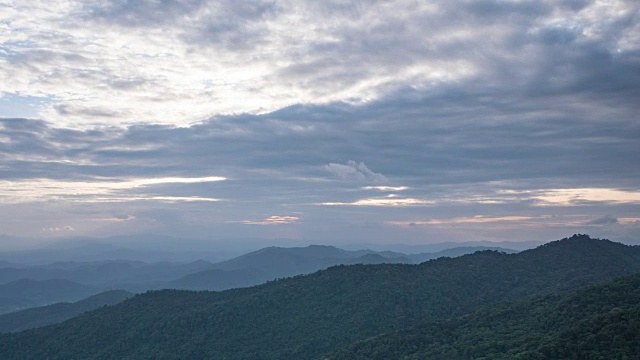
(456, 101)
(606, 220)
(354, 171)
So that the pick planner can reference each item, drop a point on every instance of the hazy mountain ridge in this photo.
(276, 262)
(113, 273)
(246, 270)
(25, 293)
(55, 313)
(307, 316)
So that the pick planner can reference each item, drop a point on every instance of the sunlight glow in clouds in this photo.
(350, 112)
(391, 200)
(386, 188)
(149, 61)
(546, 197)
(465, 220)
(576, 197)
(99, 190)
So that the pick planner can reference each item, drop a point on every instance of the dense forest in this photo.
(308, 317)
(598, 322)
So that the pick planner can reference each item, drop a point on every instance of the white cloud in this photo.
(273, 220)
(580, 196)
(97, 190)
(479, 219)
(57, 229)
(388, 201)
(181, 62)
(354, 171)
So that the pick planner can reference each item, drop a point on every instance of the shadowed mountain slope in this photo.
(307, 316)
(25, 293)
(275, 262)
(59, 312)
(597, 322)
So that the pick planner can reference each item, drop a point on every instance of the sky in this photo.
(324, 121)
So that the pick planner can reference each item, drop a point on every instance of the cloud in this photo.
(354, 171)
(481, 107)
(123, 217)
(58, 229)
(576, 197)
(386, 188)
(273, 220)
(388, 201)
(478, 219)
(180, 62)
(605, 220)
(96, 190)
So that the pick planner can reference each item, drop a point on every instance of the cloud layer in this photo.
(177, 62)
(466, 119)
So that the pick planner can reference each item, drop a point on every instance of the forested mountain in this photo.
(216, 279)
(25, 293)
(250, 269)
(276, 262)
(455, 252)
(306, 317)
(59, 312)
(597, 322)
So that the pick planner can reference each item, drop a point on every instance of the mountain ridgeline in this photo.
(275, 262)
(313, 316)
(250, 269)
(58, 312)
(25, 293)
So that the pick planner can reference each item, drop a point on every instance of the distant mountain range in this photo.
(162, 248)
(331, 313)
(26, 293)
(440, 246)
(59, 312)
(246, 270)
(114, 274)
(26, 286)
(275, 262)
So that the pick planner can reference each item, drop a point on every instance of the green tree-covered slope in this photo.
(306, 317)
(597, 322)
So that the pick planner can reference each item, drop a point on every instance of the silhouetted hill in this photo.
(26, 293)
(455, 252)
(307, 316)
(59, 312)
(437, 247)
(597, 322)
